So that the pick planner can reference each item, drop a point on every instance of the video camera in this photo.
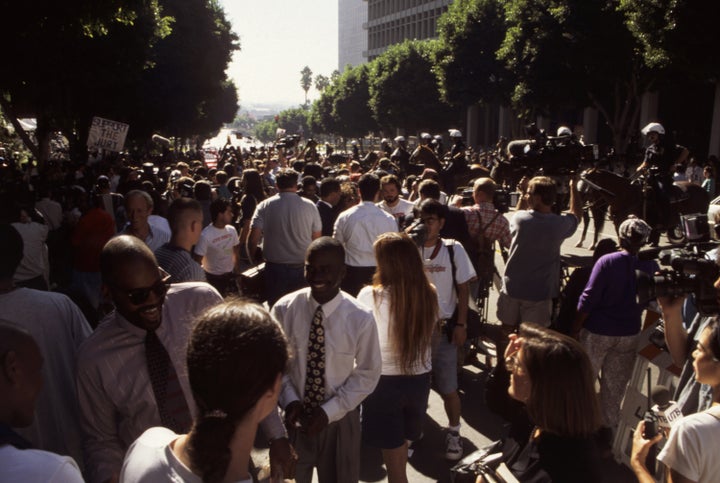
(288, 141)
(690, 272)
(501, 199)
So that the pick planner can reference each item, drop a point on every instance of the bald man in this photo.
(115, 388)
(20, 384)
(116, 396)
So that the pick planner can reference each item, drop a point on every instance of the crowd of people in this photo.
(126, 355)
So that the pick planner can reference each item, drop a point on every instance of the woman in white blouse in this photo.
(405, 307)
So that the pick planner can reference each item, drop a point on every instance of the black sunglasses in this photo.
(139, 296)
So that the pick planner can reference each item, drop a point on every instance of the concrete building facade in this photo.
(352, 33)
(390, 22)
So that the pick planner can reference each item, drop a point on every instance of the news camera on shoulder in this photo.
(692, 269)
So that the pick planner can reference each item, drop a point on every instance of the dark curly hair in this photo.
(235, 354)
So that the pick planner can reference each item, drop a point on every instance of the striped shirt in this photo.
(179, 264)
(117, 403)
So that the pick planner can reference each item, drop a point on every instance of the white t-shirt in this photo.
(402, 209)
(36, 466)
(439, 271)
(380, 306)
(216, 246)
(693, 446)
(151, 459)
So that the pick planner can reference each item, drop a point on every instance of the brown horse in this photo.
(454, 175)
(630, 198)
(593, 205)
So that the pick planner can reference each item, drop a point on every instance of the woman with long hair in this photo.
(552, 375)
(235, 359)
(405, 307)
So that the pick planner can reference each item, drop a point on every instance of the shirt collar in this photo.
(328, 307)
(124, 324)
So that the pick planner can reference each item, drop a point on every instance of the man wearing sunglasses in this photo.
(131, 372)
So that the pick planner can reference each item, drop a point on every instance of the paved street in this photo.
(479, 425)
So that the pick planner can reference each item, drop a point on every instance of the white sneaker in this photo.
(453, 446)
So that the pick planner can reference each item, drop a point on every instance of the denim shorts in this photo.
(395, 410)
(444, 365)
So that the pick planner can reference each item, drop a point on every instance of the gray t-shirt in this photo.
(287, 221)
(532, 271)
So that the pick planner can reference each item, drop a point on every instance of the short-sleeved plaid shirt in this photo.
(479, 215)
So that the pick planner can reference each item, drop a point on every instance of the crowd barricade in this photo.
(635, 402)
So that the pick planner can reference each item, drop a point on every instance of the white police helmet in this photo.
(425, 135)
(653, 127)
(564, 131)
(400, 139)
(454, 133)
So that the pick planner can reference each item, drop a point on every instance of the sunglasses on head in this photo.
(139, 296)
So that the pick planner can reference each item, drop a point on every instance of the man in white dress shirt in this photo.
(323, 418)
(357, 229)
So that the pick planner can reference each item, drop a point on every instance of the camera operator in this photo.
(485, 225)
(691, 395)
(532, 271)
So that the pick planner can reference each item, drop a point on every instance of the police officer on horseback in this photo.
(458, 146)
(437, 144)
(400, 156)
(661, 156)
(385, 147)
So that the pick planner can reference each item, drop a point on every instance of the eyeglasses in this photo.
(160, 288)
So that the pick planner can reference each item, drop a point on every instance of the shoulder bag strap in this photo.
(451, 250)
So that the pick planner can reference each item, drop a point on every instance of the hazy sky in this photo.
(277, 39)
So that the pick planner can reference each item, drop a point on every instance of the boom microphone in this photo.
(667, 411)
(161, 140)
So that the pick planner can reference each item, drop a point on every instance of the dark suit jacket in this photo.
(327, 216)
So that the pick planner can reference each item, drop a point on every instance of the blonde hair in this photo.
(413, 300)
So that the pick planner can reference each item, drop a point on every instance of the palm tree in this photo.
(306, 80)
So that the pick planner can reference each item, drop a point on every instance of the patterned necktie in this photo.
(315, 374)
(171, 403)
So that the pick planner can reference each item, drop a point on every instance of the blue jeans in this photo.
(281, 279)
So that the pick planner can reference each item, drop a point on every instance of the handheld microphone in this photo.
(667, 411)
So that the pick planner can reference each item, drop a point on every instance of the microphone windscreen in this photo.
(660, 395)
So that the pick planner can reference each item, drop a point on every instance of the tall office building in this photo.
(390, 22)
(352, 33)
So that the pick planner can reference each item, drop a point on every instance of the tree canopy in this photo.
(467, 65)
(404, 91)
(154, 64)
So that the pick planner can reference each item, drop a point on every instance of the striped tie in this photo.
(315, 374)
(171, 403)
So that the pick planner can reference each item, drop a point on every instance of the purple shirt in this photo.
(609, 296)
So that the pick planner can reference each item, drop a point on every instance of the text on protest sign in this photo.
(107, 134)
